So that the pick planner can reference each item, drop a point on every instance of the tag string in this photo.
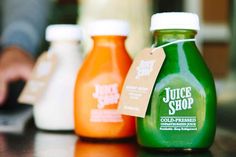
(173, 42)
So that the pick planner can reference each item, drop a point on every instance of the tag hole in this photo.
(151, 53)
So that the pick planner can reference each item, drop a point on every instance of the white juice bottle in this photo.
(54, 111)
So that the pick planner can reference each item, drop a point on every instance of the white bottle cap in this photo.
(109, 28)
(175, 20)
(63, 32)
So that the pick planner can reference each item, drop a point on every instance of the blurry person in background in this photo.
(22, 27)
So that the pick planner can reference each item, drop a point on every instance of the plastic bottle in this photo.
(54, 111)
(181, 113)
(99, 83)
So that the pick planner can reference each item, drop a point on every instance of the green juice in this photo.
(182, 109)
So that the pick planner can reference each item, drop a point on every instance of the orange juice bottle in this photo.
(99, 84)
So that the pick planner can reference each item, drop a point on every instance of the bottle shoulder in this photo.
(185, 58)
(203, 84)
(104, 67)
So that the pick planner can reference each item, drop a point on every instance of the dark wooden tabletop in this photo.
(35, 143)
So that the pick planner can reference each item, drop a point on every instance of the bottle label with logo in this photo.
(178, 100)
(106, 96)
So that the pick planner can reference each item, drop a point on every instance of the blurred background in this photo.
(215, 39)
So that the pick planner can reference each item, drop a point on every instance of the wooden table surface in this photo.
(35, 143)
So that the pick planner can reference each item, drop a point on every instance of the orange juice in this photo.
(99, 83)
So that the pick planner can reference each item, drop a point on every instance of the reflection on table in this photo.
(105, 149)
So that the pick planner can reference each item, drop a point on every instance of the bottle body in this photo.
(182, 109)
(54, 111)
(97, 91)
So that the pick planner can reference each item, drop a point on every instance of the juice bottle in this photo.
(54, 110)
(99, 83)
(181, 112)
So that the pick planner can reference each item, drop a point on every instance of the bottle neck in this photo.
(63, 46)
(109, 41)
(166, 36)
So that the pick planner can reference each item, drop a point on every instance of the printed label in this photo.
(144, 68)
(178, 99)
(106, 95)
(41, 74)
(105, 115)
(178, 123)
(139, 82)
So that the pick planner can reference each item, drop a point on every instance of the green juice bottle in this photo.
(181, 113)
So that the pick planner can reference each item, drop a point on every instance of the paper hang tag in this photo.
(139, 82)
(41, 74)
